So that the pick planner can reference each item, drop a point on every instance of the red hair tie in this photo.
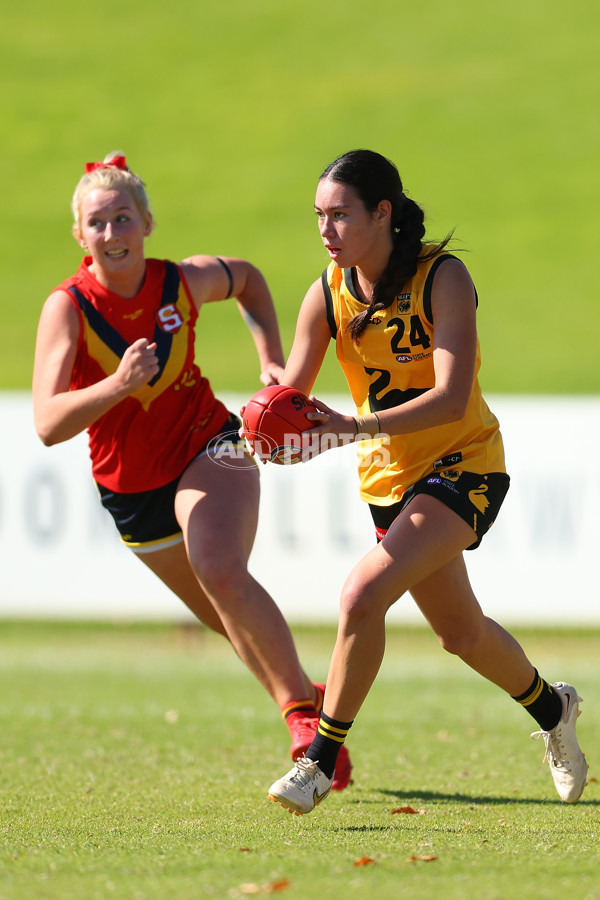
(117, 162)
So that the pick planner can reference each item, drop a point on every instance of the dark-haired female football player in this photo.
(115, 356)
(431, 462)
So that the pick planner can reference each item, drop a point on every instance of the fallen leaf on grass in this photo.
(272, 888)
(364, 861)
(415, 858)
(408, 810)
(592, 781)
(282, 885)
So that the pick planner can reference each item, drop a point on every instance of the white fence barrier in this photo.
(60, 556)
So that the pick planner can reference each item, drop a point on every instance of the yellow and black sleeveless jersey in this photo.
(392, 364)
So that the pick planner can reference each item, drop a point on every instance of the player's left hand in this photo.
(273, 374)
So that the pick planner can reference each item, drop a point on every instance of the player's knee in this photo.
(359, 601)
(458, 639)
(223, 580)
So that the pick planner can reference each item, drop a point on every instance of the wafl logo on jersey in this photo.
(403, 303)
(169, 318)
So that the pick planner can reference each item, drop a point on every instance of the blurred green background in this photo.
(231, 110)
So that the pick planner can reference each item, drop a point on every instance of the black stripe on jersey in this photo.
(329, 305)
(162, 339)
(107, 334)
(163, 343)
(349, 282)
(170, 290)
(429, 284)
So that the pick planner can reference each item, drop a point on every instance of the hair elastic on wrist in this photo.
(229, 276)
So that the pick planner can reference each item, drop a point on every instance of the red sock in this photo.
(299, 709)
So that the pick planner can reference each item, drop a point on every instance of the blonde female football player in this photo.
(115, 357)
(431, 460)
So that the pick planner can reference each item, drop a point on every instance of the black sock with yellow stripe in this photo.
(542, 703)
(328, 740)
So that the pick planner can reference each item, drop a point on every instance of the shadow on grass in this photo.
(472, 799)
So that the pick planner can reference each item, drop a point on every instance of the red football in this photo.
(274, 420)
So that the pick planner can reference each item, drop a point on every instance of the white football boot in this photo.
(565, 758)
(302, 788)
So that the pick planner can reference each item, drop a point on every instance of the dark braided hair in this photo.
(375, 178)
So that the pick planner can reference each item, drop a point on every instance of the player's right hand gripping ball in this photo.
(274, 420)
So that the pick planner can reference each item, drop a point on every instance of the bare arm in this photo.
(59, 413)
(310, 341)
(208, 283)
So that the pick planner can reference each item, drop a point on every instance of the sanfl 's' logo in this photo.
(169, 318)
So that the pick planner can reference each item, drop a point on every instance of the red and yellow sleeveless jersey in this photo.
(147, 439)
(392, 364)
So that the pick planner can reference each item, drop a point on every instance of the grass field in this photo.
(134, 763)
(231, 110)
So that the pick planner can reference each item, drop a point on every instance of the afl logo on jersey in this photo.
(169, 318)
(403, 359)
